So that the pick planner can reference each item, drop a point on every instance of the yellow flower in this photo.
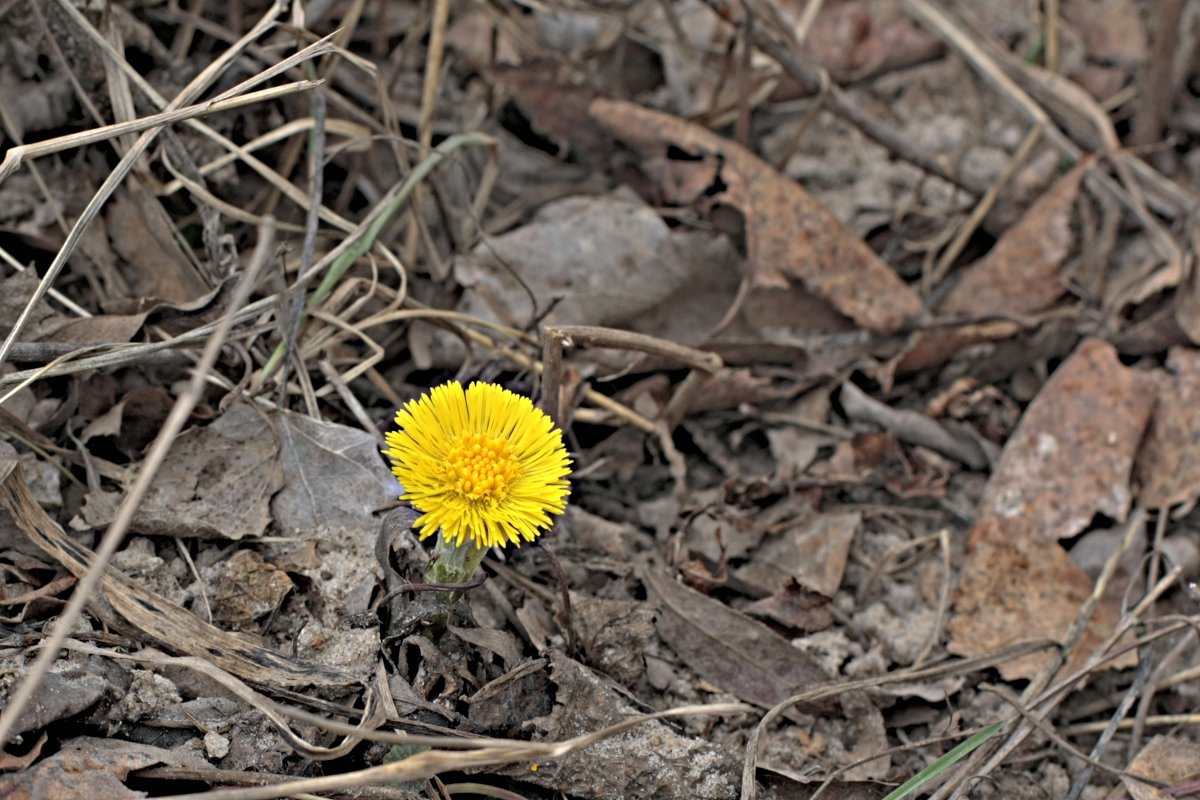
(483, 464)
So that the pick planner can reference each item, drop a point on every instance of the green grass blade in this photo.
(944, 763)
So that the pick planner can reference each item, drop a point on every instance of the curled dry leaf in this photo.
(1070, 457)
(1020, 274)
(789, 235)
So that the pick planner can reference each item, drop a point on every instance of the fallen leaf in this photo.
(728, 648)
(1023, 588)
(613, 634)
(153, 614)
(334, 478)
(145, 238)
(795, 606)
(588, 260)
(102, 329)
(651, 760)
(1169, 759)
(218, 480)
(1072, 454)
(814, 552)
(61, 695)
(1020, 274)
(1168, 465)
(1070, 457)
(858, 39)
(789, 235)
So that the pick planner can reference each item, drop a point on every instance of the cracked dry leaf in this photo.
(1069, 459)
(790, 237)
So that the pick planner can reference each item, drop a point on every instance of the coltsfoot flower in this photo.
(482, 465)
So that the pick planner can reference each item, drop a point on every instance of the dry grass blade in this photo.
(428, 764)
(154, 459)
(371, 715)
(987, 758)
(18, 155)
(114, 179)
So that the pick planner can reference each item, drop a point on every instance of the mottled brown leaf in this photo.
(1019, 588)
(1070, 457)
(1072, 454)
(789, 235)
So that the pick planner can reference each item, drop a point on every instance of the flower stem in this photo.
(453, 564)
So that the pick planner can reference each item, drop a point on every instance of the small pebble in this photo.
(215, 745)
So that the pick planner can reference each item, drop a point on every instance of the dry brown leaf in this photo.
(1169, 759)
(814, 552)
(217, 482)
(1022, 588)
(249, 589)
(1070, 457)
(651, 760)
(1168, 465)
(613, 634)
(740, 655)
(1072, 454)
(15, 293)
(102, 329)
(1020, 274)
(857, 39)
(144, 236)
(789, 235)
(156, 616)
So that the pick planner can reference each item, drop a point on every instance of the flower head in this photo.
(482, 464)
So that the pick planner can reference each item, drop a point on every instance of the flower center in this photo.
(479, 468)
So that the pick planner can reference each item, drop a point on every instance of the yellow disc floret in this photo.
(482, 464)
